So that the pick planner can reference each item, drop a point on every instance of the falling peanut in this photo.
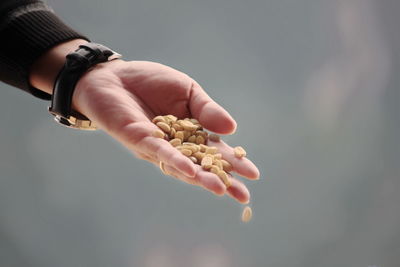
(247, 214)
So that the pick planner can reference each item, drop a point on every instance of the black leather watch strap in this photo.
(76, 64)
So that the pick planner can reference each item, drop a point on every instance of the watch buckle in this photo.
(81, 124)
(73, 122)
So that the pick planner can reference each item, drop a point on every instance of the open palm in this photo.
(122, 97)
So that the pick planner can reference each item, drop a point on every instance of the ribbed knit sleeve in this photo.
(28, 29)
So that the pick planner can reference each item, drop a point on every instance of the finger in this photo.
(207, 180)
(171, 171)
(243, 166)
(167, 169)
(210, 181)
(211, 115)
(238, 191)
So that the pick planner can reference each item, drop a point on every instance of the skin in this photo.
(122, 97)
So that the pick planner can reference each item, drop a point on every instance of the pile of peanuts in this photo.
(188, 137)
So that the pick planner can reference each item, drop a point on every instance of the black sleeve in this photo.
(28, 28)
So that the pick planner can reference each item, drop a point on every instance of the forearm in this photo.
(29, 29)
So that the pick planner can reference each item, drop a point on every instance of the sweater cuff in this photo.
(29, 32)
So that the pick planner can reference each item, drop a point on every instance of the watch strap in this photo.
(76, 64)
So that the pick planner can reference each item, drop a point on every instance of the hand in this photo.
(123, 97)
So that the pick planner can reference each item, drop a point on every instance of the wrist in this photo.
(78, 64)
(45, 69)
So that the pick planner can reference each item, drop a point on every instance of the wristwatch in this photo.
(76, 64)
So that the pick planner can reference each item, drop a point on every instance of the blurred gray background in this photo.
(314, 87)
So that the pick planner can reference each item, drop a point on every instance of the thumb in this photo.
(211, 115)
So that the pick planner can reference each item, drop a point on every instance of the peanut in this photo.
(200, 140)
(192, 139)
(172, 132)
(203, 148)
(158, 119)
(211, 150)
(226, 165)
(188, 144)
(247, 214)
(214, 169)
(175, 142)
(186, 134)
(187, 125)
(239, 152)
(158, 134)
(177, 127)
(202, 133)
(171, 118)
(194, 149)
(219, 164)
(163, 126)
(206, 162)
(193, 159)
(194, 121)
(224, 178)
(199, 156)
(214, 137)
(218, 156)
(179, 134)
(186, 152)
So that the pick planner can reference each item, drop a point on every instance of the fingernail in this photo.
(220, 194)
(246, 202)
(257, 176)
(234, 128)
